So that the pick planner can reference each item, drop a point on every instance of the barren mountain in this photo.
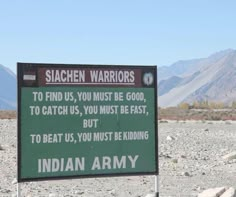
(7, 88)
(180, 68)
(212, 79)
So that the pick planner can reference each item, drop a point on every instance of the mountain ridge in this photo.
(214, 79)
(8, 89)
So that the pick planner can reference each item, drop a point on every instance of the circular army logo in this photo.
(148, 79)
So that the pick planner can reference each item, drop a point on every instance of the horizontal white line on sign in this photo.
(29, 77)
(48, 83)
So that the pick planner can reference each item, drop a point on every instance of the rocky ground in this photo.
(190, 159)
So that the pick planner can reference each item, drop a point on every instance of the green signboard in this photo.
(86, 121)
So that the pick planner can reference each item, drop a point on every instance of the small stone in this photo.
(170, 138)
(185, 174)
(112, 192)
(199, 188)
(174, 160)
(168, 156)
(204, 158)
(79, 192)
(52, 195)
(14, 181)
(163, 121)
(7, 191)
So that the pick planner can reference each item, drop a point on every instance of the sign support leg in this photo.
(157, 185)
(18, 190)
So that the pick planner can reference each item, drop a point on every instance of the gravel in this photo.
(189, 163)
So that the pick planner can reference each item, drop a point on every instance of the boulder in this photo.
(218, 192)
(230, 156)
(213, 192)
(229, 193)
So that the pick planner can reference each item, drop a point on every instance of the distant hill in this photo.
(212, 78)
(8, 89)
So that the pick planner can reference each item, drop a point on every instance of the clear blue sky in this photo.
(150, 32)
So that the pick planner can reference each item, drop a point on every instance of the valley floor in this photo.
(190, 160)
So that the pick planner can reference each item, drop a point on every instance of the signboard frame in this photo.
(35, 66)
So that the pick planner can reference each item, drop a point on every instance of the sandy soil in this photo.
(190, 161)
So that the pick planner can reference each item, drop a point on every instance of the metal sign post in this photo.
(18, 190)
(157, 185)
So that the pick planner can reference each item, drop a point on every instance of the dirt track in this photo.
(190, 161)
